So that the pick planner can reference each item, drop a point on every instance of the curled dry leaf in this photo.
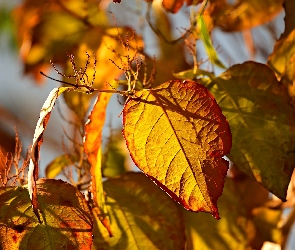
(177, 135)
(37, 141)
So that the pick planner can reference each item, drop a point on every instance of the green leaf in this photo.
(191, 75)
(205, 37)
(142, 216)
(59, 164)
(66, 219)
(113, 161)
(262, 124)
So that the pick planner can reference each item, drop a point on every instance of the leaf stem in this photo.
(91, 90)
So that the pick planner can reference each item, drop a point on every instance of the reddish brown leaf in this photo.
(177, 134)
(243, 14)
(174, 5)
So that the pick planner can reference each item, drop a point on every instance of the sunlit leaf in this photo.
(142, 216)
(237, 229)
(56, 166)
(282, 61)
(176, 135)
(66, 220)
(92, 148)
(244, 14)
(262, 124)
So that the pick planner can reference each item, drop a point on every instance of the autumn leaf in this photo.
(37, 141)
(173, 6)
(282, 61)
(246, 222)
(177, 135)
(142, 216)
(61, 162)
(92, 148)
(261, 121)
(114, 157)
(66, 220)
(243, 14)
(44, 32)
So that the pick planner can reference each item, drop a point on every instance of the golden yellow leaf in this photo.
(177, 134)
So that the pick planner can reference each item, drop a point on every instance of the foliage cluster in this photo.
(177, 127)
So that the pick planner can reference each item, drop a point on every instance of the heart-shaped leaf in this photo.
(177, 134)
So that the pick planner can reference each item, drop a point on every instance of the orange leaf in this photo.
(174, 5)
(177, 134)
(92, 148)
(243, 14)
(93, 128)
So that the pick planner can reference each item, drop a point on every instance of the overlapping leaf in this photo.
(245, 222)
(262, 123)
(142, 216)
(282, 61)
(66, 220)
(176, 135)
